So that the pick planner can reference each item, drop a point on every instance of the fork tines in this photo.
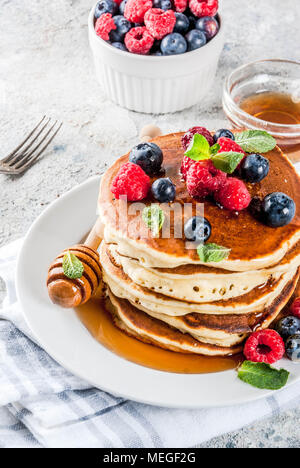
(31, 148)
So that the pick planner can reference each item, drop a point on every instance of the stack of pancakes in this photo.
(163, 294)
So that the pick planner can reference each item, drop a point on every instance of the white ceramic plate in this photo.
(63, 336)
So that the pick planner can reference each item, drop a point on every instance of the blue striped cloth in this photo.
(43, 405)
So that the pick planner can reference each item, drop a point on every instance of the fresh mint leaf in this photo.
(153, 216)
(72, 267)
(198, 149)
(215, 148)
(255, 141)
(227, 161)
(212, 252)
(261, 375)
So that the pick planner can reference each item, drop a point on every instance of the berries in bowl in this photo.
(145, 50)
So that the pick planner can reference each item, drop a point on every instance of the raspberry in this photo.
(264, 346)
(104, 25)
(204, 179)
(139, 40)
(180, 5)
(295, 307)
(226, 144)
(233, 195)
(204, 7)
(135, 10)
(185, 165)
(131, 181)
(159, 22)
(187, 137)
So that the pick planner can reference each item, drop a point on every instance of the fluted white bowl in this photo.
(152, 84)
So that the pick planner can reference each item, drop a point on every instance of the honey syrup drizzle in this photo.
(99, 323)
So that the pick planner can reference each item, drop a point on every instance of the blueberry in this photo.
(277, 209)
(288, 326)
(197, 229)
(123, 26)
(254, 168)
(122, 6)
(148, 156)
(292, 347)
(105, 6)
(173, 44)
(208, 25)
(119, 45)
(195, 39)
(162, 4)
(223, 132)
(163, 190)
(192, 21)
(156, 46)
(182, 23)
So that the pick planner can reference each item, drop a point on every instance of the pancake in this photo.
(231, 329)
(187, 338)
(160, 291)
(253, 245)
(139, 325)
(122, 286)
(197, 283)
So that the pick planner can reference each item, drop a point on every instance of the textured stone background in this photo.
(46, 68)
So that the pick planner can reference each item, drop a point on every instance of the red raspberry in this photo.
(180, 5)
(139, 40)
(295, 307)
(135, 10)
(204, 7)
(187, 137)
(159, 22)
(226, 144)
(203, 179)
(264, 346)
(131, 181)
(185, 165)
(233, 195)
(104, 25)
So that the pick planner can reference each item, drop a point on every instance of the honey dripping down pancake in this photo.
(163, 302)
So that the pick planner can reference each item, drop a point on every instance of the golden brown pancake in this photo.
(136, 323)
(200, 286)
(123, 286)
(248, 238)
(228, 329)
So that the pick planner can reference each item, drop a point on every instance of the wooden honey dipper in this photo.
(67, 292)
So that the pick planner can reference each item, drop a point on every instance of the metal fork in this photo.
(25, 155)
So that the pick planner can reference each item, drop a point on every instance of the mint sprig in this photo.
(212, 252)
(261, 375)
(72, 267)
(154, 217)
(227, 161)
(198, 149)
(255, 141)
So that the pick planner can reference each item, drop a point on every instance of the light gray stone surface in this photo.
(46, 68)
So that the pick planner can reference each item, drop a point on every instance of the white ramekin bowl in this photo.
(155, 85)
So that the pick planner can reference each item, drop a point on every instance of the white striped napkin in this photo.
(43, 405)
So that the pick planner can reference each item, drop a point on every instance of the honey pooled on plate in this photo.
(98, 321)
